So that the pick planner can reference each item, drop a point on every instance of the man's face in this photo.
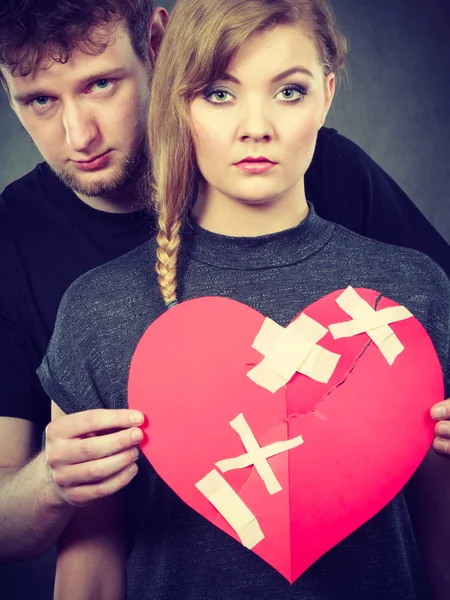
(87, 117)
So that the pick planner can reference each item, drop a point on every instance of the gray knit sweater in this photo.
(178, 555)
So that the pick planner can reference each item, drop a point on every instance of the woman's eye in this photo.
(218, 96)
(292, 94)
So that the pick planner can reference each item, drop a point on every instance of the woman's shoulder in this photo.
(112, 287)
(390, 259)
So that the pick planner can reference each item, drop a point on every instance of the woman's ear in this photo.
(330, 88)
(156, 29)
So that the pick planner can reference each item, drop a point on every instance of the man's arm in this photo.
(81, 463)
(91, 562)
(428, 495)
(32, 517)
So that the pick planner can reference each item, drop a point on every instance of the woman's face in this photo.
(269, 106)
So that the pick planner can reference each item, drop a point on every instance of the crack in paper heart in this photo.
(339, 383)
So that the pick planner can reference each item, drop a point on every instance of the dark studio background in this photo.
(396, 107)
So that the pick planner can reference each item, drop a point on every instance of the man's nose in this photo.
(80, 127)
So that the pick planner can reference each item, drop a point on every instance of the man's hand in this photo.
(92, 454)
(441, 412)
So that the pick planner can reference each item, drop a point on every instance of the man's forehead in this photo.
(114, 51)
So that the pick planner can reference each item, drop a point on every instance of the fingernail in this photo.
(438, 412)
(133, 470)
(443, 429)
(137, 435)
(440, 446)
(136, 417)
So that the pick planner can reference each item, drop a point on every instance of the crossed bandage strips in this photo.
(296, 349)
(223, 497)
(287, 351)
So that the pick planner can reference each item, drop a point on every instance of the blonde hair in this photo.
(201, 40)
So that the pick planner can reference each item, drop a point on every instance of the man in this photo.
(77, 76)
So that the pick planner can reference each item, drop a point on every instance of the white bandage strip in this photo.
(227, 502)
(292, 347)
(263, 376)
(374, 323)
(240, 425)
(257, 455)
(289, 350)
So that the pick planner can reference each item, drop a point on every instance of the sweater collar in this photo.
(248, 253)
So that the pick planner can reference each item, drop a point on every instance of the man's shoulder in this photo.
(337, 180)
(29, 211)
(29, 199)
(333, 145)
(24, 188)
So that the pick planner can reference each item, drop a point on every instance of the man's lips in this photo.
(94, 163)
(258, 165)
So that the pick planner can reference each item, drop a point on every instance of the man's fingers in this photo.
(92, 421)
(442, 429)
(442, 445)
(92, 454)
(67, 476)
(83, 494)
(441, 410)
(84, 450)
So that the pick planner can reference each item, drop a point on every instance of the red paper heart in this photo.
(363, 438)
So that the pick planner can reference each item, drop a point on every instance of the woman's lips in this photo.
(255, 166)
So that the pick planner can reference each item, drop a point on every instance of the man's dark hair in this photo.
(35, 30)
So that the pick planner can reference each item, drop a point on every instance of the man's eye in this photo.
(101, 84)
(40, 100)
(40, 104)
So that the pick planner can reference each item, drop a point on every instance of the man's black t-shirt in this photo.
(49, 237)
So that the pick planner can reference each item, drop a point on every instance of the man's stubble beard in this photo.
(130, 169)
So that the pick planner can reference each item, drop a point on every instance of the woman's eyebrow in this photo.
(293, 71)
(279, 77)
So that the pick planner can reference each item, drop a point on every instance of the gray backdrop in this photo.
(396, 108)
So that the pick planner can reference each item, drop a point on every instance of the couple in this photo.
(235, 81)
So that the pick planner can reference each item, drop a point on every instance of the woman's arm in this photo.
(92, 554)
(428, 496)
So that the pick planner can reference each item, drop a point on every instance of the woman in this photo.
(240, 90)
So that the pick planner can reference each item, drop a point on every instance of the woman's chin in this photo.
(261, 200)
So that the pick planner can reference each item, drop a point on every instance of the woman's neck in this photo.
(222, 214)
